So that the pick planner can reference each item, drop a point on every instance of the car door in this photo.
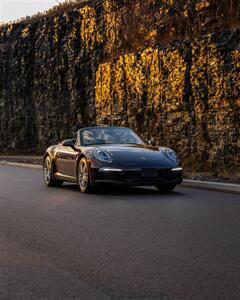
(66, 161)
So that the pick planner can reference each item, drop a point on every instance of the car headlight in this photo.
(102, 155)
(172, 155)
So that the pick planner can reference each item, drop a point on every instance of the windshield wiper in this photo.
(99, 144)
(114, 144)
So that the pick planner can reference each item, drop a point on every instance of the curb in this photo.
(206, 185)
(22, 165)
(214, 186)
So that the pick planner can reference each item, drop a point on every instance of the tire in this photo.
(48, 174)
(166, 187)
(84, 176)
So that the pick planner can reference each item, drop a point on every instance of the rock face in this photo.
(120, 63)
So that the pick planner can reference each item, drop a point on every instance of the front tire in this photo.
(48, 174)
(84, 176)
(166, 187)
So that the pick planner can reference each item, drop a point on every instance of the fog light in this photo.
(110, 170)
(179, 169)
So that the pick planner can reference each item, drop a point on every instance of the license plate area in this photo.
(149, 173)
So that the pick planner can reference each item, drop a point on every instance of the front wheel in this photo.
(166, 187)
(48, 174)
(84, 176)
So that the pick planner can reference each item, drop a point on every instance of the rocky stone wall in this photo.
(118, 63)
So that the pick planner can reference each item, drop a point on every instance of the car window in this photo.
(97, 136)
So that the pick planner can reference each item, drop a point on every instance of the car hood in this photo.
(138, 156)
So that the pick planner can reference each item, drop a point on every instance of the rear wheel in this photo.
(166, 187)
(47, 174)
(84, 176)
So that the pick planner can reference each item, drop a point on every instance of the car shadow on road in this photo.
(124, 191)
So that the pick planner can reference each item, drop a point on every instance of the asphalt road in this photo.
(56, 243)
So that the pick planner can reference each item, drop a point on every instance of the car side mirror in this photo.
(151, 142)
(68, 143)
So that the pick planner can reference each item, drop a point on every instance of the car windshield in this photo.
(109, 135)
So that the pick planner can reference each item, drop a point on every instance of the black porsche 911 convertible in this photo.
(110, 155)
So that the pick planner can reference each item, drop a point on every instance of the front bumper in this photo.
(138, 177)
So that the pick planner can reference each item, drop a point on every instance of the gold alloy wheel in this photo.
(49, 180)
(83, 175)
(47, 169)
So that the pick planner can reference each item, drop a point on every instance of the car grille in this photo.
(143, 175)
(146, 175)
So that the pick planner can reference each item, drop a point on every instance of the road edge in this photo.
(206, 185)
(22, 165)
(213, 186)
